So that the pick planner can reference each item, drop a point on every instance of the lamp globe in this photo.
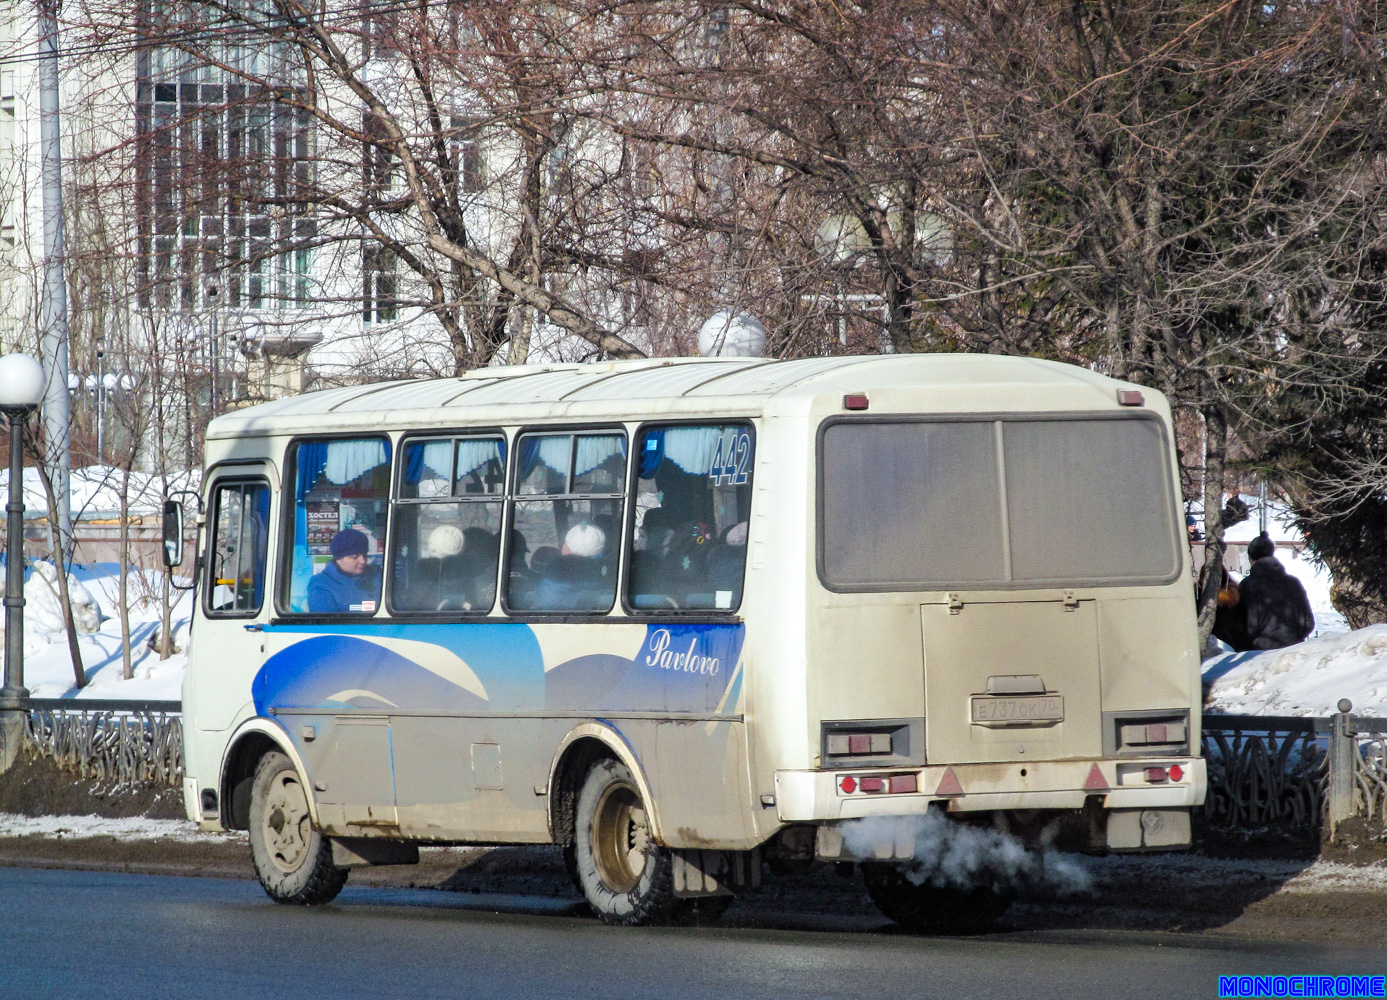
(21, 382)
(732, 335)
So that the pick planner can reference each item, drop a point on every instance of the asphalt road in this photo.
(93, 934)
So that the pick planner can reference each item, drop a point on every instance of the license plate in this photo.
(1017, 710)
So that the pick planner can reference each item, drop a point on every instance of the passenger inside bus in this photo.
(576, 577)
(347, 583)
(456, 572)
(691, 529)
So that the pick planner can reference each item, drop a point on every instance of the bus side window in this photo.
(240, 535)
(693, 505)
(566, 516)
(341, 500)
(447, 525)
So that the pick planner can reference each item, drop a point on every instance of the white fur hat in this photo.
(445, 540)
(585, 539)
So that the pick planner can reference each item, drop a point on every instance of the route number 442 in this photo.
(732, 460)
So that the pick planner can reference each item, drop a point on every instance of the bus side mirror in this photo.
(173, 533)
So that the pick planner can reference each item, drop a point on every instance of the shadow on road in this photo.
(1180, 892)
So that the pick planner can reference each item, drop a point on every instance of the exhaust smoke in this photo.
(955, 855)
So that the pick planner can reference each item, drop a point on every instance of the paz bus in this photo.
(692, 619)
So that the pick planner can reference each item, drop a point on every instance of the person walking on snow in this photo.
(1278, 611)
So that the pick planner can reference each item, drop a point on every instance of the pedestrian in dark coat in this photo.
(1278, 611)
(1230, 619)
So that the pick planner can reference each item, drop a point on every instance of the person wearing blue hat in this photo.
(347, 584)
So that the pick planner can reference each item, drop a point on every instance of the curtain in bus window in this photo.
(339, 485)
(481, 465)
(692, 517)
(693, 448)
(550, 452)
(596, 450)
(349, 460)
(911, 505)
(428, 469)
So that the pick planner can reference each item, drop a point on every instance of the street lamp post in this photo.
(100, 400)
(212, 291)
(21, 391)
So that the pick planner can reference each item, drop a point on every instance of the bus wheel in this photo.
(932, 908)
(293, 860)
(627, 877)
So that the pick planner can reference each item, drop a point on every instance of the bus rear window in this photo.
(934, 505)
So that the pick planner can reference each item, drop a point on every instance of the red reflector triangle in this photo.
(948, 785)
(1096, 782)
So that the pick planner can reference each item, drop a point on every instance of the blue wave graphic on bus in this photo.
(679, 668)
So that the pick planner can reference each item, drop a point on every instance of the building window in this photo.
(378, 163)
(380, 284)
(224, 172)
(468, 158)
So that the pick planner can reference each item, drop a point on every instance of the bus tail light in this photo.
(1157, 775)
(1177, 773)
(1151, 734)
(879, 784)
(904, 783)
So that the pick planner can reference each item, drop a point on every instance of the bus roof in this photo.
(670, 386)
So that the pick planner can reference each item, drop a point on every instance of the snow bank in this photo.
(1305, 679)
(125, 828)
(48, 666)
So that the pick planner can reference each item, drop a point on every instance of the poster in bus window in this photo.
(324, 519)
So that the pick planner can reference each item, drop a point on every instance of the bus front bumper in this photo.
(1121, 784)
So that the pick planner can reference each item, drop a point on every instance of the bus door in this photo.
(232, 604)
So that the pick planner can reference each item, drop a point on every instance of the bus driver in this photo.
(346, 584)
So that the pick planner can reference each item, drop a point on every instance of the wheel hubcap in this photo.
(620, 837)
(286, 825)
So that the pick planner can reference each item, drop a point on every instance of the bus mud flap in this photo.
(715, 873)
(358, 852)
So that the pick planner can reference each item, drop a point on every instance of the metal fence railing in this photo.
(1265, 772)
(112, 742)
(1296, 774)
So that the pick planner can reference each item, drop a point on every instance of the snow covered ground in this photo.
(1305, 679)
(48, 669)
(124, 828)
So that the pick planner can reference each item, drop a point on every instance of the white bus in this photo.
(683, 617)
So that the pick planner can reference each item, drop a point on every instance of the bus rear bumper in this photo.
(1120, 784)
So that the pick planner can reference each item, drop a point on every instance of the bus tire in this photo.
(627, 878)
(932, 908)
(292, 860)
